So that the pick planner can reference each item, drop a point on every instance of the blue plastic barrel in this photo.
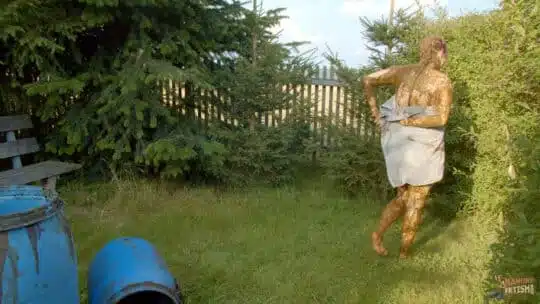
(131, 271)
(38, 262)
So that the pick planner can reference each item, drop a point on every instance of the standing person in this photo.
(412, 127)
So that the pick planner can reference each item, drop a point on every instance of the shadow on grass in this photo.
(434, 227)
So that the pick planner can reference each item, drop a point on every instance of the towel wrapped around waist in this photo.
(413, 155)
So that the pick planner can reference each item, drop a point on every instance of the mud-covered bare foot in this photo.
(376, 241)
(403, 254)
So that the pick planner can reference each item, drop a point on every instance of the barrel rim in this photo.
(30, 217)
(148, 286)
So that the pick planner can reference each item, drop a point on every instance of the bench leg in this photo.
(50, 183)
(16, 161)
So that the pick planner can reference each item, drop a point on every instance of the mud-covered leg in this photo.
(414, 206)
(393, 210)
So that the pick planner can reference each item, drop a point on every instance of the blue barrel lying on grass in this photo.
(38, 262)
(131, 271)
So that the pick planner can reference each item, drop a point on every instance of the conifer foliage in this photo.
(90, 72)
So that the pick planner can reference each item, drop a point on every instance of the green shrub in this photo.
(494, 137)
(271, 155)
(92, 83)
(356, 166)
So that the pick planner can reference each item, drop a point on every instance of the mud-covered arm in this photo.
(443, 110)
(389, 76)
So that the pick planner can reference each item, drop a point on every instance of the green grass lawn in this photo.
(280, 245)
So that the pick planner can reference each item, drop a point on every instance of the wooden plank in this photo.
(18, 147)
(219, 107)
(14, 123)
(15, 161)
(280, 110)
(353, 108)
(205, 107)
(322, 122)
(330, 120)
(176, 96)
(35, 172)
(347, 107)
(315, 113)
(285, 111)
(338, 106)
(198, 102)
(211, 99)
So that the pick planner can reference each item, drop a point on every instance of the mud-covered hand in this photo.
(376, 116)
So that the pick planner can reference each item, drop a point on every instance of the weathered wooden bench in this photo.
(46, 172)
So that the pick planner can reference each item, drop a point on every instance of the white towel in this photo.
(413, 155)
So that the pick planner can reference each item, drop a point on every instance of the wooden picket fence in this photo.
(329, 101)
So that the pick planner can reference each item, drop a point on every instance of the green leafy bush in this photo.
(494, 147)
(356, 166)
(492, 137)
(271, 155)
